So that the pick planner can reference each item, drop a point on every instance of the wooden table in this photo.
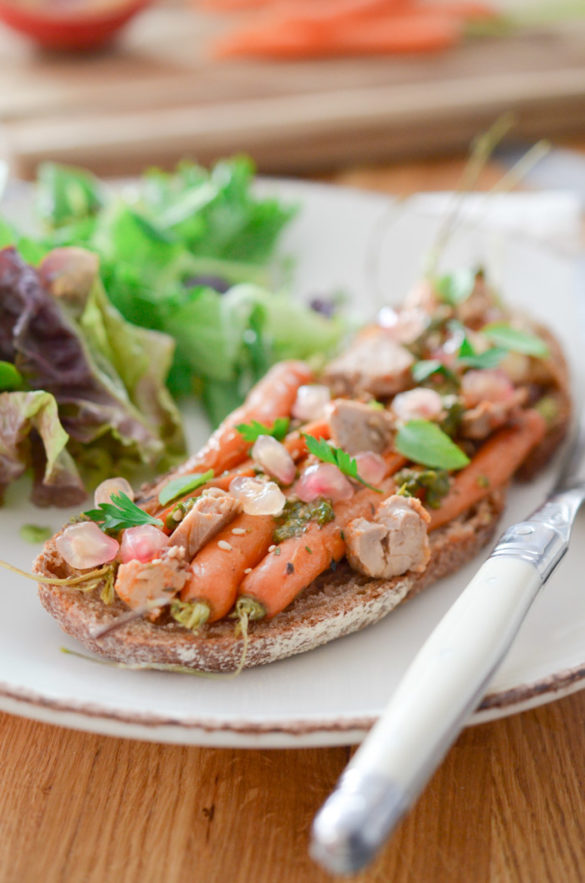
(507, 805)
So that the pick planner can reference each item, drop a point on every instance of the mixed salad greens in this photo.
(187, 298)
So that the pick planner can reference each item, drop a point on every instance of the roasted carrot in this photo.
(467, 10)
(416, 31)
(272, 397)
(269, 40)
(279, 577)
(493, 465)
(218, 569)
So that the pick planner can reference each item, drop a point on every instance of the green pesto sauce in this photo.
(297, 516)
(454, 411)
(430, 484)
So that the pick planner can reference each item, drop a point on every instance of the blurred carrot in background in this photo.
(321, 28)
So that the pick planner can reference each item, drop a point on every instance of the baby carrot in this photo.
(493, 465)
(272, 397)
(410, 31)
(218, 569)
(279, 578)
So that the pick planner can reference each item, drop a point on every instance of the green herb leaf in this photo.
(119, 514)
(10, 377)
(251, 431)
(421, 371)
(184, 484)
(489, 359)
(468, 356)
(35, 533)
(454, 288)
(504, 335)
(423, 442)
(338, 457)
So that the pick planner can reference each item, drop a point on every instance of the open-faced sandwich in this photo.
(325, 500)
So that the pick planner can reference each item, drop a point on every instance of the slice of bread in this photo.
(338, 603)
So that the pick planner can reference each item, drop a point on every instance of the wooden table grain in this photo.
(506, 806)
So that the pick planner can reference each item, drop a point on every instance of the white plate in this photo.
(333, 694)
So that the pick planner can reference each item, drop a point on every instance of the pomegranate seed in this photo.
(142, 543)
(84, 546)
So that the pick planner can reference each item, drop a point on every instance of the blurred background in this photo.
(310, 86)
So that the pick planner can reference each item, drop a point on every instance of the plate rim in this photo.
(246, 733)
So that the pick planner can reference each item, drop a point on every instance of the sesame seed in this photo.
(290, 568)
(248, 570)
(224, 545)
(238, 531)
(271, 548)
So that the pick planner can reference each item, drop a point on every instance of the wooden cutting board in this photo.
(157, 96)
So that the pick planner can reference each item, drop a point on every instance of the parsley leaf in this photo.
(517, 341)
(251, 431)
(119, 514)
(176, 487)
(338, 457)
(424, 442)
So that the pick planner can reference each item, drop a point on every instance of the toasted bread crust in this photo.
(336, 604)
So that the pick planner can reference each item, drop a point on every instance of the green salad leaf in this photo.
(67, 194)
(35, 533)
(515, 340)
(424, 442)
(338, 457)
(251, 431)
(170, 248)
(10, 376)
(120, 514)
(183, 484)
(32, 437)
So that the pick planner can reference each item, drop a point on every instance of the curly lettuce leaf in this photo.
(67, 194)
(108, 377)
(32, 436)
(142, 359)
